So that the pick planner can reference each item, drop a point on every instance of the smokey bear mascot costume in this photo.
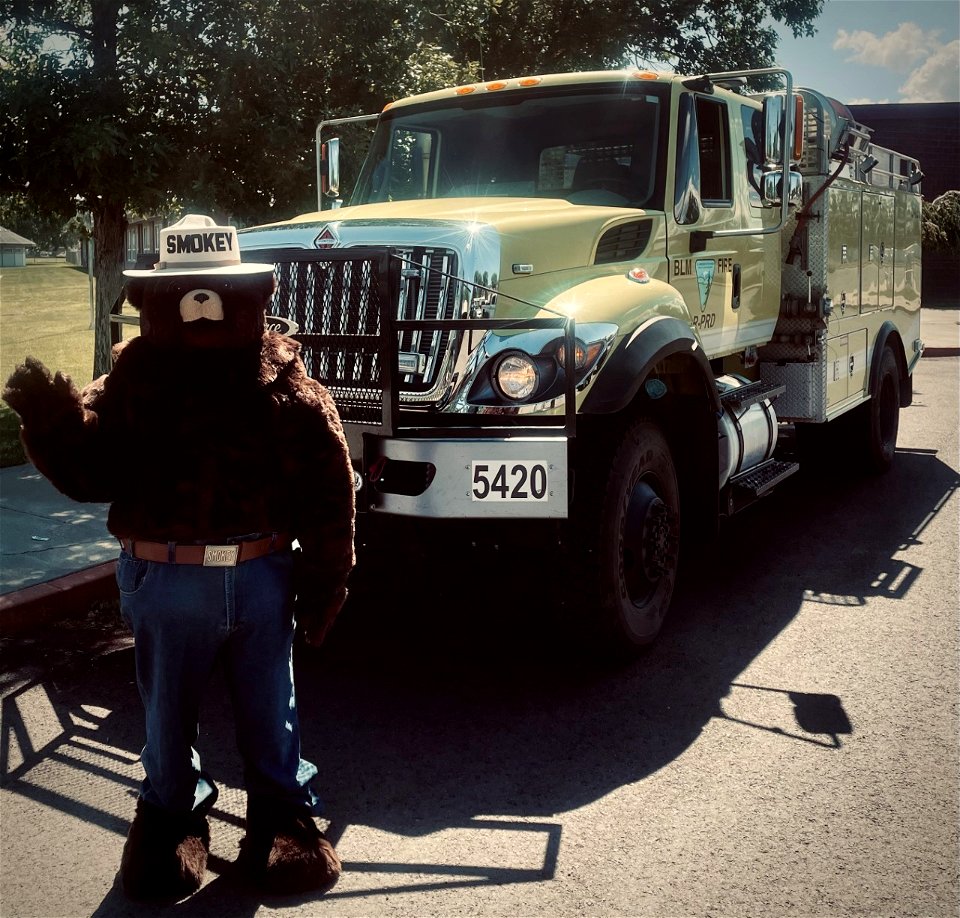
(215, 451)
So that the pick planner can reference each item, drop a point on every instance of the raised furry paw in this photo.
(40, 398)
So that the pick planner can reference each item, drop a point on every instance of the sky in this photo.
(879, 51)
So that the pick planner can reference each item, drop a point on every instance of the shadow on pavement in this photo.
(433, 707)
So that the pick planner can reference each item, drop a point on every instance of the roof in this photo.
(620, 77)
(8, 237)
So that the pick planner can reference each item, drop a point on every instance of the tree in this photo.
(941, 223)
(113, 106)
(511, 37)
(110, 107)
(49, 230)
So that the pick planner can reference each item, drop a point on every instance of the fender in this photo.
(890, 334)
(636, 355)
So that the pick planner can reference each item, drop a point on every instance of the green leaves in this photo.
(216, 103)
(147, 105)
(941, 223)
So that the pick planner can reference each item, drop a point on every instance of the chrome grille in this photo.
(336, 301)
(340, 302)
(427, 291)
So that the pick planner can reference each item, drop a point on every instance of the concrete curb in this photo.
(58, 598)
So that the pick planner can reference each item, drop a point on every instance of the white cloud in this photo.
(937, 79)
(897, 50)
(866, 101)
(932, 67)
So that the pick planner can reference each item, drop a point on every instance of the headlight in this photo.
(527, 367)
(516, 376)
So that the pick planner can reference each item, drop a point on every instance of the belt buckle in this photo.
(220, 555)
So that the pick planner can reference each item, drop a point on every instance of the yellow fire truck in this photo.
(608, 302)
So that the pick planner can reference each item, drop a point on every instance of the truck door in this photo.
(721, 279)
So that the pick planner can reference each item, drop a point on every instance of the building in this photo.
(143, 236)
(13, 249)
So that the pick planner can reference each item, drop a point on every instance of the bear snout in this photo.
(201, 304)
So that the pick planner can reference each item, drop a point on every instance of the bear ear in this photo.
(135, 287)
(269, 287)
(256, 288)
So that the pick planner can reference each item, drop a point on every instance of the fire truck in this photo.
(617, 304)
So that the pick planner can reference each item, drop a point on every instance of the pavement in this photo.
(56, 556)
(475, 776)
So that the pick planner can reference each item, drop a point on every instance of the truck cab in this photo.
(600, 300)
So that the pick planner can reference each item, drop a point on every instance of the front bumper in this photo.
(515, 477)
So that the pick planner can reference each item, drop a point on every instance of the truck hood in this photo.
(545, 234)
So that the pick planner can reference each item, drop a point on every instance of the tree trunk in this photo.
(109, 230)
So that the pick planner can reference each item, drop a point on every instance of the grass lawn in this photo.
(44, 313)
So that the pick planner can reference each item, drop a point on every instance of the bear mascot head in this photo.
(199, 294)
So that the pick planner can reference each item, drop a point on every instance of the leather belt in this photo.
(207, 555)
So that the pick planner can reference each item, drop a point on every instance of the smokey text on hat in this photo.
(199, 242)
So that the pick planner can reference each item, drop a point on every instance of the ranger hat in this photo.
(196, 245)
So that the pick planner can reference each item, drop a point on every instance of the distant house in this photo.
(143, 236)
(13, 249)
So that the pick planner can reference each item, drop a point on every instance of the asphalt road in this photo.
(788, 748)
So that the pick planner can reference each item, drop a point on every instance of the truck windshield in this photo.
(588, 147)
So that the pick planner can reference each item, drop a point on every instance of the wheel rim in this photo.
(647, 543)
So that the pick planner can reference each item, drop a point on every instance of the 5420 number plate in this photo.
(517, 480)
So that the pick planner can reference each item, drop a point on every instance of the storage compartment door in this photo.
(838, 369)
(843, 250)
(877, 252)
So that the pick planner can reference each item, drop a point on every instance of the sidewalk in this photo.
(56, 555)
(54, 552)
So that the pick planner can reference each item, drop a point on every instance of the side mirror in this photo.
(773, 129)
(330, 168)
(774, 110)
(771, 191)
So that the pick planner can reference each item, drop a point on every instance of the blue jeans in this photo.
(184, 617)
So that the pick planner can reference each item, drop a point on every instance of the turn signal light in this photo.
(798, 127)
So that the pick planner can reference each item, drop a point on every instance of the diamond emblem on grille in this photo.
(327, 238)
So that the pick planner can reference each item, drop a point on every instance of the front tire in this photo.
(627, 535)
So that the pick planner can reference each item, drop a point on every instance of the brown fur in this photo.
(157, 299)
(165, 855)
(288, 854)
(191, 444)
(205, 431)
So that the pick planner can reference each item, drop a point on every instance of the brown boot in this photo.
(165, 855)
(285, 852)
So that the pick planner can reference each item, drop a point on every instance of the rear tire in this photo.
(865, 439)
(881, 416)
(626, 538)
